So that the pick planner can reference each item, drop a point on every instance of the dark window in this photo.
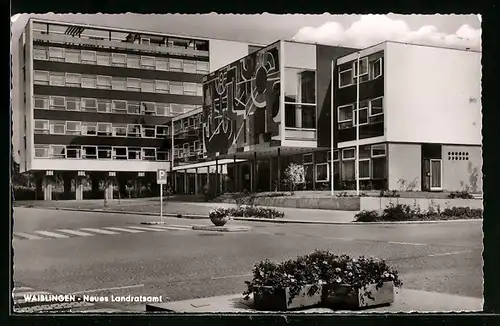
(308, 116)
(379, 168)
(300, 86)
(290, 119)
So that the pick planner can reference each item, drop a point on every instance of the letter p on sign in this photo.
(161, 176)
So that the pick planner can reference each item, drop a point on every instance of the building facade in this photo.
(419, 118)
(98, 105)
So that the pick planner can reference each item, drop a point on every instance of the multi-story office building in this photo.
(419, 117)
(97, 103)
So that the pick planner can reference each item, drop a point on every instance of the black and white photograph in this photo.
(265, 163)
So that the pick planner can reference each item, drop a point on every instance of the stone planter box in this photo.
(368, 296)
(279, 300)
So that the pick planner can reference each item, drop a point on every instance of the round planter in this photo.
(219, 221)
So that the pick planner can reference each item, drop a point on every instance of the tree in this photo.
(294, 175)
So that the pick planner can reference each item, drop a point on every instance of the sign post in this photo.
(161, 179)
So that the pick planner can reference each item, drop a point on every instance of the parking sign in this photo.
(161, 176)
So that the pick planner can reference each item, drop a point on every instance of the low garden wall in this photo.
(328, 203)
(361, 203)
(377, 203)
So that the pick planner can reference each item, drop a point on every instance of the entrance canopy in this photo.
(205, 165)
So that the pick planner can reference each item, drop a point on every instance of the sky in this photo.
(346, 30)
(458, 31)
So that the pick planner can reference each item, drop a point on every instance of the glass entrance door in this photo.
(436, 174)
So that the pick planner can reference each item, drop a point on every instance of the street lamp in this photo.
(332, 106)
(356, 116)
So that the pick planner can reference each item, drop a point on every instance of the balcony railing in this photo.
(67, 39)
(300, 134)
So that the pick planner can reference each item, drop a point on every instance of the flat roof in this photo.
(131, 30)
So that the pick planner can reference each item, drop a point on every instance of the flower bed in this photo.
(221, 216)
(325, 278)
(400, 212)
(255, 211)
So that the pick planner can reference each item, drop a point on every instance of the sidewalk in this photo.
(192, 210)
(405, 301)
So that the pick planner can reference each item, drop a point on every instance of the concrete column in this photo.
(186, 183)
(196, 181)
(279, 169)
(271, 174)
(108, 190)
(216, 176)
(48, 187)
(174, 181)
(78, 188)
(222, 179)
(235, 187)
(314, 170)
(254, 173)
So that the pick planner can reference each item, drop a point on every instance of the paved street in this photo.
(102, 253)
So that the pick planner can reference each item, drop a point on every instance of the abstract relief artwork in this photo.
(242, 97)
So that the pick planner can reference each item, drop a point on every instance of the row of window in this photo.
(110, 106)
(369, 169)
(348, 115)
(187, 123)
(120, 60)
(117, 83)
(371, 163)
(368, 70)
(188, 149)
(58, 127)
(92, 152)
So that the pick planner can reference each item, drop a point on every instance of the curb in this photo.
(221, 228)
(190, 216)
(283, 221)
(249, 219)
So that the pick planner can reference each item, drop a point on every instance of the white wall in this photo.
(97, 165)
(223, 53)
(300, 55)
(432, 94)
(405, 162)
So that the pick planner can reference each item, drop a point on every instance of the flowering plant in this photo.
(220, 216)
(319, 268)
(220, 212)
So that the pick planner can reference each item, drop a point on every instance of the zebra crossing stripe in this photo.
(27, 236)
(21, 288)
(99, 231)
(123, 230)
(173, 227)
(146, 229)
(74, 232)
(52, 234)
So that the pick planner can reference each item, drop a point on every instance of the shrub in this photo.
(464, 194)
(367, 216)
(294, 175)
(277, 194)
(398, 212)
(402, 212)
(254, 211)
(463, 212)
(389, 193)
